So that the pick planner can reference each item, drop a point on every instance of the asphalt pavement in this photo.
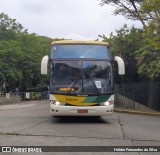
(30, 124)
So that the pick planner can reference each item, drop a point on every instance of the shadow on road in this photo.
(78, 119)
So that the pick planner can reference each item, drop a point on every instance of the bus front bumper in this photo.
(59, 110)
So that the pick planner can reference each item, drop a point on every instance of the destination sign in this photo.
(66, 89)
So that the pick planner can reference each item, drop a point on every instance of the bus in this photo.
(81, 78)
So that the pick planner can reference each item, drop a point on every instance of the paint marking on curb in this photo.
(137, 112)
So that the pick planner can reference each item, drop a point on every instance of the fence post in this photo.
(134, 95)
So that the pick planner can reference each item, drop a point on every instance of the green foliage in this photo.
(125, 43)
(131, 9)
(142, 44)
(9, 28)
(20, 56)
(149, 53)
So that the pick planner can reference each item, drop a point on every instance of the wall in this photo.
(12, 100)
(126, 103)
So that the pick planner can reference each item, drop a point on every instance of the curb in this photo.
(137, 112)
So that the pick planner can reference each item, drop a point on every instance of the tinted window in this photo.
(80, 51)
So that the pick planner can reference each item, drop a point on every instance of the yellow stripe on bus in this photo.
(73, 100)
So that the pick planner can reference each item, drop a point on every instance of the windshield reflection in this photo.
(80, 77)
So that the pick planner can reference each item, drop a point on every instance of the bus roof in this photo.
(79, 42)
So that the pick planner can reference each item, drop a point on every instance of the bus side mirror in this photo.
(121, 66)
(44, 64)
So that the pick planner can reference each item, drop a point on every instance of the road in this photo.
(30, 124)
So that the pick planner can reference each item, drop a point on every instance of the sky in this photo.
(69, 19)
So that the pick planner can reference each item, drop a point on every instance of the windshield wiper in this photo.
(74, 83)
(91, 78)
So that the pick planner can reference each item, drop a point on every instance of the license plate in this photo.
(82, 111)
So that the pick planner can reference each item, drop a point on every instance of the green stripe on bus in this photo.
(96, 99)
(90, 99)
(102, 98)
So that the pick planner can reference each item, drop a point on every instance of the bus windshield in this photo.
(80, 77)
(80, 51)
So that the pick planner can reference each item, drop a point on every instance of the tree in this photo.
(149, 53)
(20, 56)
(9, 64)
(9, 27)
(34, 48)
(131, 9)
(148, 13)
(125, 43)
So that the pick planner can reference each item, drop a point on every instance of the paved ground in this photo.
(31, 124)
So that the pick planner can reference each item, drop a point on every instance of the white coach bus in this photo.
(81, 78)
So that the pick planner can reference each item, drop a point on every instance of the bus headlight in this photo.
(107, 103)
(60, 103)
(55, 102)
